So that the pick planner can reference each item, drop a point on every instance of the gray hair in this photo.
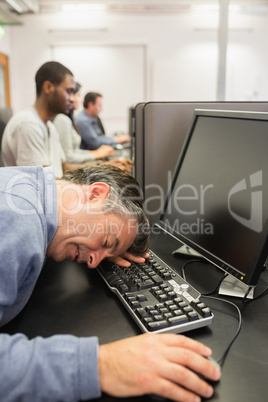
(125, 198)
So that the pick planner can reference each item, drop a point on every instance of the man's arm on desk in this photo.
(58, 368)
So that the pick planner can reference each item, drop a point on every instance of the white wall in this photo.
(180, 53)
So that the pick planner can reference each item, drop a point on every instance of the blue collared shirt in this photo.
(91, 133)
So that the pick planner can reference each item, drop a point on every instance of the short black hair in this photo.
(91, 97)
(52, 71)
(77, 87)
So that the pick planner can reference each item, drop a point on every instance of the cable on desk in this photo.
(201, 260)
(189, 262)
(217, 287)
(223, 357)
(208, 295)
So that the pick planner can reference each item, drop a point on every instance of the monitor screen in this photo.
(218, 200)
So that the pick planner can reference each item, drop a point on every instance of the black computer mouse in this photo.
(159, 398)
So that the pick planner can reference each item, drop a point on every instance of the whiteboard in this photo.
(115, 71)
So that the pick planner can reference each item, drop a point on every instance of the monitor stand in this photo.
(187, 251)
(230, 286)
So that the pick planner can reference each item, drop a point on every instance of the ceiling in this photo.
(148, 7)
(124, 7)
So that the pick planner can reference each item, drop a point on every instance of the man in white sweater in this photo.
(30, 138)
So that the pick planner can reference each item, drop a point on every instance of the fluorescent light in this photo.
(206, 7)
(18, 6)
(83, 7)
(216, 7)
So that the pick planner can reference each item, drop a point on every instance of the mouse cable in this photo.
(239, 317)
(189, 262)
(208, 295)
(202, 260)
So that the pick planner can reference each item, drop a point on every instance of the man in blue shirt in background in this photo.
(89, 126)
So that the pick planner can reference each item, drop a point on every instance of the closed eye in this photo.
(113, 245)
(105, 245)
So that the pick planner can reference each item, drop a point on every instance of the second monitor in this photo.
(159, 131)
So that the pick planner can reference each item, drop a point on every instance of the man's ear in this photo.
(48, 87)
(96, 192)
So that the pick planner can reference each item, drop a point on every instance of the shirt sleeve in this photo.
(58, 368)
(65, 129)
(30, 145)
(20, 266)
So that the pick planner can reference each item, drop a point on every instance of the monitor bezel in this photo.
(251, 278)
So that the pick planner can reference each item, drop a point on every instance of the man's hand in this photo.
(163, 364)
(122, 259)
(122, 163)
(123, 138)
(103, 151)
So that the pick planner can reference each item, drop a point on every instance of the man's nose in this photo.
(94, 259)
(71, 97)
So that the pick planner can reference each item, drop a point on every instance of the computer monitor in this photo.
(161, 128)
(217, 202)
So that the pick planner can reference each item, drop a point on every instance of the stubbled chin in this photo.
(60, 257)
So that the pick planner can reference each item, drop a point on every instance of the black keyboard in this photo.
(157, 297)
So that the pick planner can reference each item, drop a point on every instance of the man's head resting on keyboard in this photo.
(100, 215)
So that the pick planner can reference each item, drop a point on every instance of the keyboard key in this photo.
(202, 309)
(187, 309)
(167, 315)
(172, 295)
(158, 317)
(141, 298)
(169, 303)
(193, 316)
(177, 312)
(122, 287)
(132, 287)
(155, 325)
(146, 285)
(206, 312)
(178, 299)
(134, 304)
(182, 319)
(142, 313)
(146, 320)
(200, 306)
(162, 297)
(157, 280)
(163, 310)
(159, 306)
(166, 276)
